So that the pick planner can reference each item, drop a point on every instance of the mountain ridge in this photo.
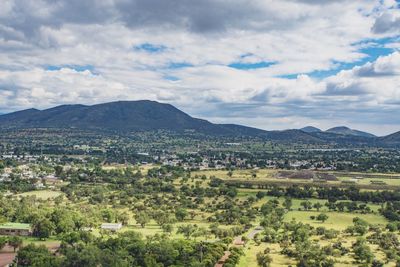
(347, 131)
(310, 129)
(146, 115)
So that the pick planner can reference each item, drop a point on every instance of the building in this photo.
(19, 229)
(114, 227)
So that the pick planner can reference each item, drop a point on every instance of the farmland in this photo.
(202, 207)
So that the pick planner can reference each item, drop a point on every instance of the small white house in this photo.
(111, 226)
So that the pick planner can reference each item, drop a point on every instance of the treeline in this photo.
(79, 249)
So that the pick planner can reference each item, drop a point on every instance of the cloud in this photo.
(386, 23)
(217, 59)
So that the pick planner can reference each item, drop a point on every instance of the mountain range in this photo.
(145, 115)
(343, 130)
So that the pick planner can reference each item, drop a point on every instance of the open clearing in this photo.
(336, 220)
(42, 194)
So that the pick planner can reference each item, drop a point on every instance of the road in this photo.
(238, 240)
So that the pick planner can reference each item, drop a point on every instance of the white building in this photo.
(111, 226)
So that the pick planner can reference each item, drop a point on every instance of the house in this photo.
(238, 241)
(18, 229)
(114, 227)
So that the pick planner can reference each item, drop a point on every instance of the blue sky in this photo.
(267, 64)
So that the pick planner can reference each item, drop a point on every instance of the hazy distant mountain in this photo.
(392, 138)
(122, 116)
(347, 131)
(310, 129)
(144, 115)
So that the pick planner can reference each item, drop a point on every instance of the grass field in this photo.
(42, 194)
(336, 220)
(365, 181)
(249, 259)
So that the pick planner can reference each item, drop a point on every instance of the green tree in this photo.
(360, 226)
(3, 242)
(263, 259)
(142, 218)
(288, 203)
(322, 217)
(181, 214)
(43, 228)
(36, 256)
(167, 228)
(317, 206)
(162, 218)
(15, 242)
(123, 218)
(58, 170)
(187, 230)
(362, 252)
(307, 205)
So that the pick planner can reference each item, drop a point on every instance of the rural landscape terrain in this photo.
(199, 133)
(83, 186)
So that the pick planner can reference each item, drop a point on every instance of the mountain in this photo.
(121, 116)
(392, 138)
(347, 131)
(310, 129)
(133, 116)
(115, 116)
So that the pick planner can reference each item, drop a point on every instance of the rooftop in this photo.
(111, 225)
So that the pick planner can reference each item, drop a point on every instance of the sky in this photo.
(268, 64)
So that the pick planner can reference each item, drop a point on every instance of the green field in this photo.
(336, 220)
(42, 194)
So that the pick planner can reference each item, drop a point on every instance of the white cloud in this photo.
(298, 36)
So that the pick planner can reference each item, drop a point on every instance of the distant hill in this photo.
(392, 138)
(347, 131)
(121, 116)
(310, 129)
(132, 116)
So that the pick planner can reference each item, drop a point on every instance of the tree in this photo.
(142, 218)
(162, 218)
(181, 214)
(36, 256)
(187, 230)
(58, 170)
(362, 252)
(123, 218)
(360, 226)
(71, 238)
(263, 259)
(43, 228)
(317, 206)
(288, 203)
(3, 242)
(15, 242)
(322, 217)
(167, 228)
(307, 205)
(202, 231)
(58, 200)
